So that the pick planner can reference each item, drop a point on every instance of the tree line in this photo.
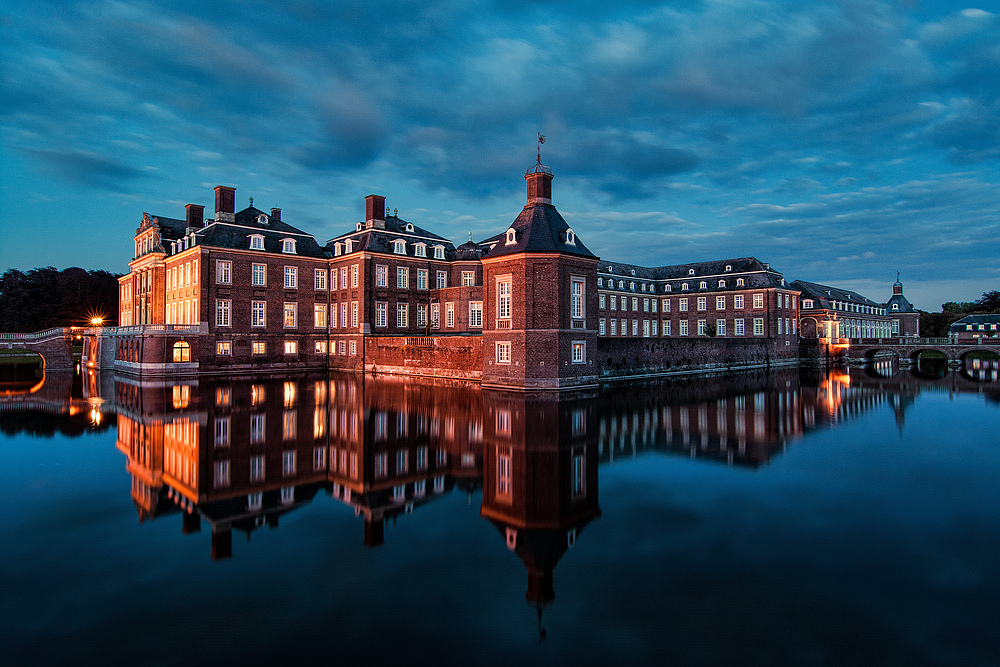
(48, 297)
(936, 325)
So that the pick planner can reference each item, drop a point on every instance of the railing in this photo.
(422, 340)
(503, 324)
(924, 341)
(34, 336)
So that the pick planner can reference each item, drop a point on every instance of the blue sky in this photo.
(839, 141)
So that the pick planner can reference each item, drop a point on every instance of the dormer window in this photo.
(684, 286)
(703, 285)
(807, 303)
(631, 285)
(740, 282)
(349, 245)
(409, 226)
(338, 249)
(729, 267)
(621, 284)
(668, 288)
(633, 272)
(722, 283)
(570, 237)
(262, 219)
(360, 226)
(600, 282)
(511, 237)
(256, 242)
(643, 287)
(420, 250)
(439, 251)
(690, 272)
(611, 269)
(895, 306)
(399, 247)
(288, 246)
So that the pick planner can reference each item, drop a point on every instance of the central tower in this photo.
(540, 299)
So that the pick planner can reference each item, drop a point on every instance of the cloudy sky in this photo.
(839, 141)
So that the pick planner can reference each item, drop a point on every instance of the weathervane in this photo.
(251, 201)
(541, 140)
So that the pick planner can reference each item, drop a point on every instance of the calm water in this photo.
(782, 518)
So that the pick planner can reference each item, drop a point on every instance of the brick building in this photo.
(529, 308)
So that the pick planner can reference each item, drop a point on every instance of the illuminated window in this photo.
(503, 353)
(224, 348)
(258, 347)
(579, 352)
(291, 347)
(321, 347)
(182, 352)
(319, 316)
(290, 312)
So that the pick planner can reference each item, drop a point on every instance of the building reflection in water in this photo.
(238, 454)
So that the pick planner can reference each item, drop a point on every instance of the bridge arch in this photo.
(54, 346)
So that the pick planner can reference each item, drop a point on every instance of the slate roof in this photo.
(754, 272)
(983, 318)
(538, 229)
(236, 234)
(824, 294)
(171, 229)
(900, 300)
(380, 240)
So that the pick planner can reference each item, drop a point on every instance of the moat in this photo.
(784, 517)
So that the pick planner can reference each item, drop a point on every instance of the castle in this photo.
(529, 308)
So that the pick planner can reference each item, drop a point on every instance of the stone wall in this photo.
(624, 357)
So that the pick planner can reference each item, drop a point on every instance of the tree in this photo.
(47, 297)
(988, 303)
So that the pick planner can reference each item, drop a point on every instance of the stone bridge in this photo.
(54, 345)
(909, 349)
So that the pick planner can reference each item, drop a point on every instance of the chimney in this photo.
(195, 217)
(539, 180)
(276, 214)
(225, 204)
(375, 211)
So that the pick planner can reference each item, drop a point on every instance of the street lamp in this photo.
(97, 321)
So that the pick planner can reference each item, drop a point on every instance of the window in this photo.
(577, 292)
(449, 315)
(635, 327)
(422, 315)
(343, 314)
(343, 278)
(399, 247)
(665, 305)
(684, 327)
(666, 328)
(403, 278)
(503, 353)
(442, 279)
(223, 272)
(182, 352)
(402, 315)
(319, 279)
(738, 327)
(319, 316)
(288, 246)
(291, 347)
(702, 327)
(468, 278)
(737, 301)
(740, 282)
(579, 352)
(258, 347)
(381, 276)
(439, 252)
(333, 279)
(421, 278)
(720, 327)
(258, 313)
(645, 328)
(224, 348)
(256, 242)
(381, 465)
(614, 302)
(682, 304)
(288, 461)
(221, 474)
(402, 461)
(354, 314)
(703, 285)
(720, 303)
(320, 347)
(354, 347)
(601, 326)
(223, 307)
(290, 311)
(257, 462)
(684, 287)
(645, 305)
(601, 301)
(570, 237)
(435, 315)
(758, 326)
(420, 250)
(702, 303)
(259, 275)
(722, 283)
(758, 300)
(614, 327)
(635, 303)
(476, 314)
(503, 302)
(354, 275)
(342, 347)
(511, 237)
(381, 314)
(653, 325)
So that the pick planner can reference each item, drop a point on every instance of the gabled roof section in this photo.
(899, 300)
(250, 217)
(538, 229)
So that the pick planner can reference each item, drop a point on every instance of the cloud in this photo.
(86, 168)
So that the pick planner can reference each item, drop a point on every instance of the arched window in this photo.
(570, 237)
(511, 237)
(703, 285)
(439, 251)
(684, 286)
(722, 283)
(399, 247)
(288, 246)
(182, 352)
(600, 282)
(668, 288)
(740, 282)
(690, 272)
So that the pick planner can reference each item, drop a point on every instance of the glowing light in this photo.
(97, 321)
